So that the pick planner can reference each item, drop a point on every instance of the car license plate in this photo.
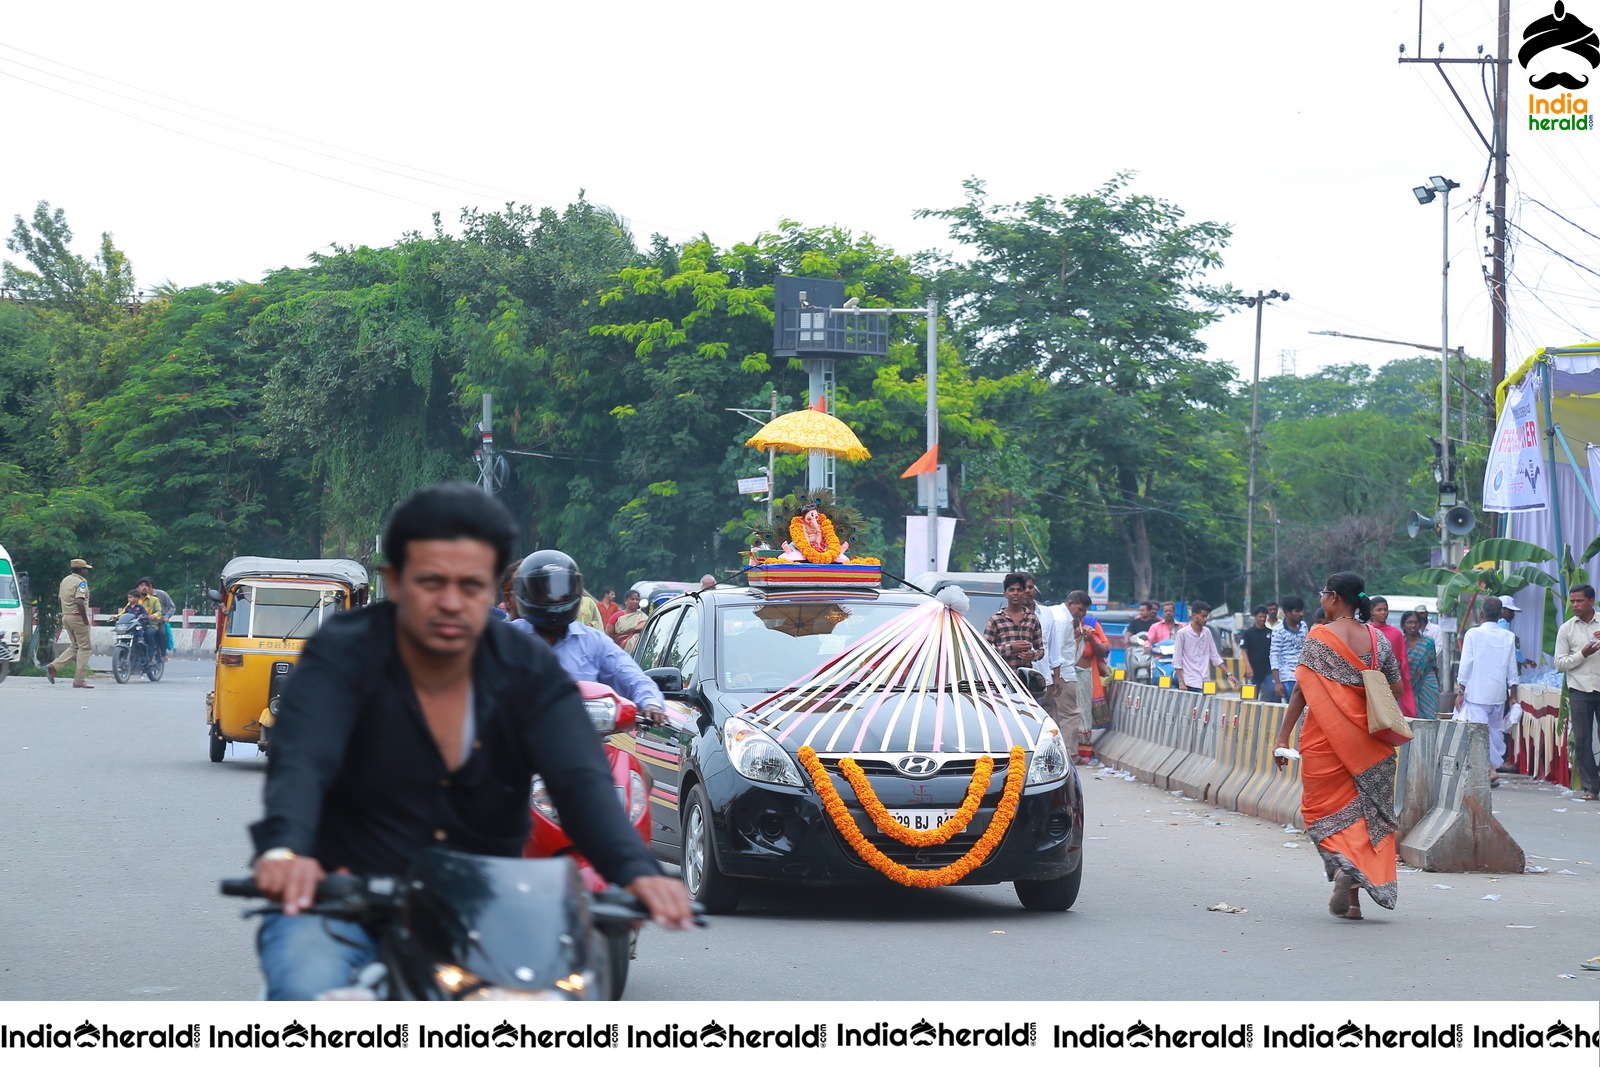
(922, 818)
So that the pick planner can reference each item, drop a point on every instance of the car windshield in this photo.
(283, 611)
(765, 646)
(9, 597)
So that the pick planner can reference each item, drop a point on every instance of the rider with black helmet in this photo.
(548, 590)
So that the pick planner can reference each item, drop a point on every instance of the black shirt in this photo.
(1257, 642)
(1139, 626)
(355, 779)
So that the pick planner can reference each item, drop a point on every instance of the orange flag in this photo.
(928, 464)
(820, 404)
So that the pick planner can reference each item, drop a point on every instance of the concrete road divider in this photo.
(1445, 811)
(1218, 748)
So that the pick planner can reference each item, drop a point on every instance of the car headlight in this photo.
(1050, 762)
(757, 756)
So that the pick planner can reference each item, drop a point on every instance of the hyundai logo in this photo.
(918, 766)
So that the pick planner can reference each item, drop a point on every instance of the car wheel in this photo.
(219, 745)
(1053, 894)
(5, 669)
(619, 949)
(122, 664)
(707, 885)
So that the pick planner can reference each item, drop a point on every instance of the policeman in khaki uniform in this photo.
(75, 617)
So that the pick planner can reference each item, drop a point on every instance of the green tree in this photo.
(360, 384)
(1103, 295)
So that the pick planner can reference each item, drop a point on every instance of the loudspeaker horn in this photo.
(1460, 520)
(1419, 522)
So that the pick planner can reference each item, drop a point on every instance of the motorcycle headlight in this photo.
(757, 756)
(539, 800)
(1050, 762)
(461, 984)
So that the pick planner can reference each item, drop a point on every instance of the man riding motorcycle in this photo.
(549, 590)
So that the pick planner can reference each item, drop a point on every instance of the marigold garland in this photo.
(904, 834)
(830, 540)
(833, 803)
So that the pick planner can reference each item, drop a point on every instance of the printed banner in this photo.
(1515, 479)
(917, 555)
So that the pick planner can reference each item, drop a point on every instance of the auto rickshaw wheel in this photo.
(219, 745)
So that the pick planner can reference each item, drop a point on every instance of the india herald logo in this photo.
(1559, 32)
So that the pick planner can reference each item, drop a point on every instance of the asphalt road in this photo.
(117, 828)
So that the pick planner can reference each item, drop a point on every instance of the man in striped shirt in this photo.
(1287, 642)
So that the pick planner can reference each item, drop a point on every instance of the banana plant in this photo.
(1497, 566)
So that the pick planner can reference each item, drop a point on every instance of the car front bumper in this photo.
(781, 833)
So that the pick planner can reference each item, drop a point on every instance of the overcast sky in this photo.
(220, 141)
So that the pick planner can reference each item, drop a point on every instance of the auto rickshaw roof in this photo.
(347, 571)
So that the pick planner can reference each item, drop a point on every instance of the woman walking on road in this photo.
(1346, 774)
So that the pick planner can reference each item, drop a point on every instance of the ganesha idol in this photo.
(814, 555)
(814, 539)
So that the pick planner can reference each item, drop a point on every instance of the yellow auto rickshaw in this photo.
(266, 609)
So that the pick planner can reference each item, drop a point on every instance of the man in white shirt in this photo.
(1488, 674)
(1060, 694)
(1576, 644)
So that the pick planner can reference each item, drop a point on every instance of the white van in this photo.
(10, 615)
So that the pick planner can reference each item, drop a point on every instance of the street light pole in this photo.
(1425, 194)
(1259, 301)
(931, 311)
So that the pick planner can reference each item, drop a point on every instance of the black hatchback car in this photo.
(734, 799)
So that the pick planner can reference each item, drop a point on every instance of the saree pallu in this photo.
(625, 628)
(1423, 659)
(1347, 778)
(1100, 710)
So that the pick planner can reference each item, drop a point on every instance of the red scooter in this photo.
(614, 716)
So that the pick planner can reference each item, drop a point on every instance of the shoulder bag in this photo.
(1384, 718)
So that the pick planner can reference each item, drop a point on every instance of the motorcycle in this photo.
(465, 927)
(1147, 663)
(614, 717)
(133, 651)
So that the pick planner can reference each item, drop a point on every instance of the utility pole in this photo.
(1497, 150)
(1259, 301)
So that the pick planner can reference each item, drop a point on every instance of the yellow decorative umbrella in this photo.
(810, 431)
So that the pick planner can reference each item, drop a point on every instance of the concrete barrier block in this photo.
(1446, 769)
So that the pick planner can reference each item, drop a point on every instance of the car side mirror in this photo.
(668, 679)
(1034, 680)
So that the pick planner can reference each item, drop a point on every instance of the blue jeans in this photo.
(1266, 688)
(303, 955)
(1288, 689)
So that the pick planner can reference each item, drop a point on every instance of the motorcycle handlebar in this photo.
(608, 907)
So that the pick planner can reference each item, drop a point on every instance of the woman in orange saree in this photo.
(1346, 774)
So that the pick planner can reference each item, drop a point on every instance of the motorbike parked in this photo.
(1146, 663)
(466, 927)
(133, 650)
(614, 717)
